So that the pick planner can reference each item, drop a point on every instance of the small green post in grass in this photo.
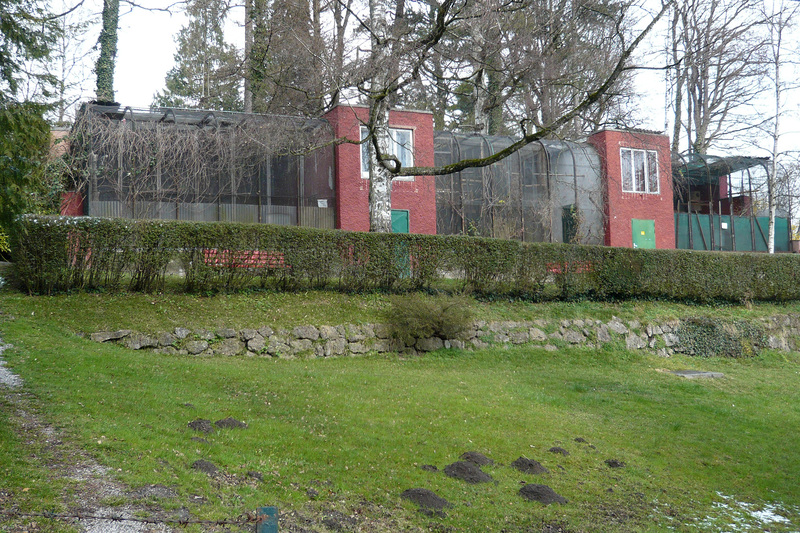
(267, 520)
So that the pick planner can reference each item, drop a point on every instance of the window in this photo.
(401, 145)
(639, 170)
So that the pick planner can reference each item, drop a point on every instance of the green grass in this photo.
(358, 429)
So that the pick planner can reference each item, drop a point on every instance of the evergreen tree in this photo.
(25, 34)
(206, 72)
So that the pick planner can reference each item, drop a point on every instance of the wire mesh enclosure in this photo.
(205, 166)
(549, 191)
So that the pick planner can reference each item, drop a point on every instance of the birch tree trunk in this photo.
(380, 178)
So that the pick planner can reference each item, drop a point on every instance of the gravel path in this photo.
(7, 377)
(94, 482)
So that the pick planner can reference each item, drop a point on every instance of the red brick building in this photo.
(636, 174)
(615, 189)
(413, 199)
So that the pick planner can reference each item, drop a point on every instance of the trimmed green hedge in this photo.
(53, 254)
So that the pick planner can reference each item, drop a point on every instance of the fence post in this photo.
(267, 521)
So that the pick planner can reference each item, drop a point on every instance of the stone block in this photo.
(257, 344)
(602, 334)
(335, 346)
(226, 333)
(519, 337)
(535, 334)
(429, 344)
(382, 331)
(166, 339)
(138, 341)
(265, 331)
(328, 332)
(105, 336)
(306, 332)
(635, 342)
(301, 345)
(277, 346)
(229, 346)
(617, 327)
(204, 334)
(574, 337)
(248, 334)
(196, 347)
(387, 345)
(354, 333)
(357, 347)
(182, 333)
(670, 339)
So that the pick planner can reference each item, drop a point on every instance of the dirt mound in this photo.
(558, 449)
(541, 493)
(614, 463)
(425, 498)
(476, 458)
(201, 425)
(467, 472)
(529, 466)
(205, 466)
(429, 468)
(230, 423)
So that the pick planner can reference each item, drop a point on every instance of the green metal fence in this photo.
(694, 231)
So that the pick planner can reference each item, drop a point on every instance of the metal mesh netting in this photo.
(202, 165)
(524, 195)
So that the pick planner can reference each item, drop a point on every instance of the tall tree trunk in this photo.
(248, 51)
(104, 68)
(380, 178)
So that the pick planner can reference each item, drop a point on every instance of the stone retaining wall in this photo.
(781, 332)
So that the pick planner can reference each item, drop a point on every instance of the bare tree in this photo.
(780, 17)
(718, 56)
(405, 37)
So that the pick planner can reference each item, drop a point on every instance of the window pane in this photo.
(364, 152)
(627, 174)
(402, 147)
(638, 170)
(652, 171)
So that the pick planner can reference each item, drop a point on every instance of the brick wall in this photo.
(621, 207)
(418, 196)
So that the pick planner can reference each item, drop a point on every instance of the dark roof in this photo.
(701, 169)
(200, 118)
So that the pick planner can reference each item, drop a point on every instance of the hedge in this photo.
(54, 254)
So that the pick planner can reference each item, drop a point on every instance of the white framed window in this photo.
(639, 170)
(401, 145)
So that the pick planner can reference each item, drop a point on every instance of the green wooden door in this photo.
(644, 233)
(400, 222)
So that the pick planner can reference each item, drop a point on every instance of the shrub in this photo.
(416, 316)
(68, 253)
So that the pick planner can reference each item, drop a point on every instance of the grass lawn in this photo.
(351, 434)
